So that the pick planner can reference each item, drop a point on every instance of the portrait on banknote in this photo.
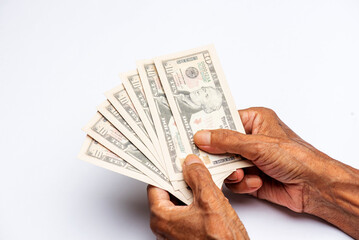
(199, 98)
(206, 99)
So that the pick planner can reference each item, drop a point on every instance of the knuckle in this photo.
(210, 197)
(263, 111)
(269, 112)
(198, 172)
(263, 148)
(206, 199)
(156, 212)
(259, 147)
(268, 149)
(259, 150)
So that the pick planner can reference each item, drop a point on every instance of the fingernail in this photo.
(191, 159)
(203, 138)
(233, 176)
(253, 182)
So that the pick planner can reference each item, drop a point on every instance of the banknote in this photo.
(167, 132)
(132, 83)
(100, 129)
(145, 130)
(199, 98)
(123, 104)
(166, 128)
(220, 177)
(112, 115)
(93, 152)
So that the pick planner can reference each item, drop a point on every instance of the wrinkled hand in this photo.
(210, 216)
(294, 173)
(285, 159)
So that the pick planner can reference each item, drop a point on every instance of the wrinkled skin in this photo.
(288, 171)
(210, 216)
(293, 173)
(275, 150)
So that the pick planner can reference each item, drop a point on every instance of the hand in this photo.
(294, 173)
(274, 149)
(210, 216)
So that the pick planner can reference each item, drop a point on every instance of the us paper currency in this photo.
(220, 177)
(94, 153)
(123, 104)
(145, 129)
(199, 98)
(165, 125)
(100, 129)
(172, 147)
(112, 115)
(98, 155)
(132, 83)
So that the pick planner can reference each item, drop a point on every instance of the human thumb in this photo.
(198, 178)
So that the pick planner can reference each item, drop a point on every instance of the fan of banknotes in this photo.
(144, 130)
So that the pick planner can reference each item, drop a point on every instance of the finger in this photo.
(227, 141)
(158, 197)
(195, 172)
(249, 184)
(249, 117)
(162, 211)
(260, 120)
(235, 177)
(199, 179)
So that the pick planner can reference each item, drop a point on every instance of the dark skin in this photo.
(210, 216)
(288, 171)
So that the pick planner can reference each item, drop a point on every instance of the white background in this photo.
(300, 58)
